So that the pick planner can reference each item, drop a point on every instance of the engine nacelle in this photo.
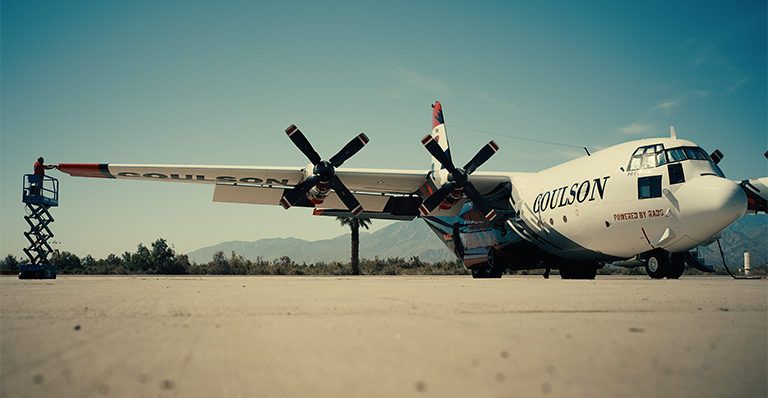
(319, 192)
(451, 199)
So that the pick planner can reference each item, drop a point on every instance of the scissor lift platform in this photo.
(40, 193)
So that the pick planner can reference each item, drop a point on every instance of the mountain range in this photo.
(404, 239)
(407, 239)
(748, 234)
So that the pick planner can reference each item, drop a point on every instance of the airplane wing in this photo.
(382, 193)
(388, 194)
(367, 180)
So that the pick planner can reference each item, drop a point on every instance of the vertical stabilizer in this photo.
(438, 133)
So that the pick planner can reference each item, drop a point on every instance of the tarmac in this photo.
(372, 336)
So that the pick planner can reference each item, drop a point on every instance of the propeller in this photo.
(458, 179)
(324, 172)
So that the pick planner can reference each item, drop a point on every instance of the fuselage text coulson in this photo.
(578, 193)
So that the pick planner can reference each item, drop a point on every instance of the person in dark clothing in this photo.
(40, 168)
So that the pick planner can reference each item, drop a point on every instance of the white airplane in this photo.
(646, 202)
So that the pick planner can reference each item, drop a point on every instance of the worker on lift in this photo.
(40, 168)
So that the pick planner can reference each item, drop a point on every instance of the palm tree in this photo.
(354, 224)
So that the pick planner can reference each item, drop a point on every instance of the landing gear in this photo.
(579, 271)
(495, 270)
(676, 266)
(657, 264)
(486, 273)
(661, 264)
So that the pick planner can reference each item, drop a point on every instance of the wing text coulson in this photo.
(202, 178)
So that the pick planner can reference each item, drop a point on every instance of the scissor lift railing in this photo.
(40, 193)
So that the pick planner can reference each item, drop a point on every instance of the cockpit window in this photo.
(688, 152)
(647, 157)
(676, 154)
(695, 153)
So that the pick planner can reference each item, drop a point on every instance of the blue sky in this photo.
(217, 82)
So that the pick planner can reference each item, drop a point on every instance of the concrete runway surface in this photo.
(439, 336)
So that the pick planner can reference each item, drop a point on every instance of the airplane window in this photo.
(647, 157)
(685, 153)
(649, 160)
(695, 153)
(676, 174)
(676, 154)
(649, 187)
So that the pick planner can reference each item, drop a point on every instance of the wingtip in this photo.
(85, 170)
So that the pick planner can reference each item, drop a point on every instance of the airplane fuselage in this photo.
(615, 204)
(649, 200)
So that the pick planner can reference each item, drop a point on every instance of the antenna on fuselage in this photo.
(672, 133)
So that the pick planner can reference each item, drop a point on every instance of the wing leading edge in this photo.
(387, 194)
(189, 174)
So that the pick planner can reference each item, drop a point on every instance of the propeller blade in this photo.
(434, 148)
(350, 149)
(481, 157)
(481, 204)
(323, 171)
(346, 196)
(302, 143)
(437, 197)
(291, 197)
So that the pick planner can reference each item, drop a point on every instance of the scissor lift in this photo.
(40, 194)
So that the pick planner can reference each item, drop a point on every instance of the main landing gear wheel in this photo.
(494, 271)
(486, 273)
(579, 271)
(657, 264)
(676, 266)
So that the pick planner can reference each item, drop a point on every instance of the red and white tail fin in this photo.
(438, 133)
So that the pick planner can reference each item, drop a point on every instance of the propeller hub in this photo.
(458, 177)
(323, 177)
(325, 170)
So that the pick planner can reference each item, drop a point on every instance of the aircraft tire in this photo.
(657, 264)
(579, 271)
(483, 273)
(676, 266)
(494, 269)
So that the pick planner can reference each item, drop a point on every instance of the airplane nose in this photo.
(708, 205)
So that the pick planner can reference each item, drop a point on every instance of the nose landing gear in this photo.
(660, 264)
